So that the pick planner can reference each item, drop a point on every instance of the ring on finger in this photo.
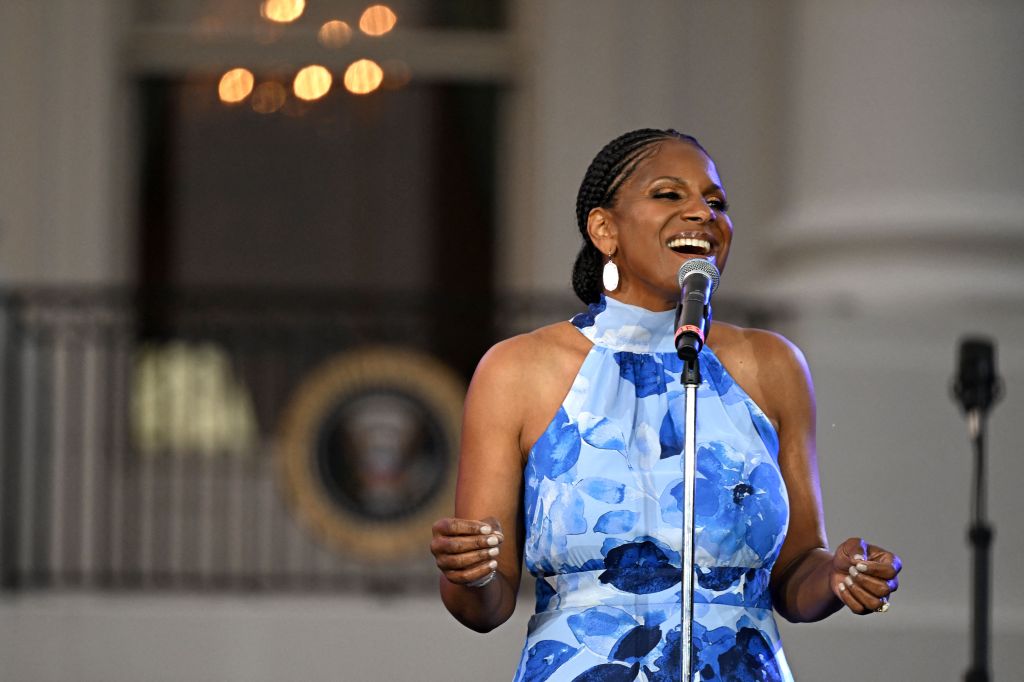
(884, 607)
(480, 582)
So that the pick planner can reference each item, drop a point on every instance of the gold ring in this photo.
(884, 607)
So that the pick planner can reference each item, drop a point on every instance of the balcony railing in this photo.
(142, 436)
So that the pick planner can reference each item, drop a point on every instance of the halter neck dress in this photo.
(603, 517)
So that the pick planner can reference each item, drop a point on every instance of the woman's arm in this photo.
(489, 487)
(809, 582)
(800, 579)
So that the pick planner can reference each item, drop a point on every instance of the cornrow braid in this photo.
(612, 166)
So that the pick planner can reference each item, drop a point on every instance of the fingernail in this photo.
(854, 572)
(842, 587)
(858, 557)
(493, 551)
(849, 581)
(862, 567)
(486, 530)
(493, 565)
(492, 540)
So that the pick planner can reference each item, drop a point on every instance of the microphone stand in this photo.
(976, 387)
(693, 320)
(979, 536)
(691, 380)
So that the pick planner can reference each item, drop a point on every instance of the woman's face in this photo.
(671, 209)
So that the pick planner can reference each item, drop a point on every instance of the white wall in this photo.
(58, 638)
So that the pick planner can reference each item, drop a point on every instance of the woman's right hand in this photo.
(467, 551)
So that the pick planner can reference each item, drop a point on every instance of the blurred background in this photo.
(250, 253)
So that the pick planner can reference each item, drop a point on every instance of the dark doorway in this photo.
(348, 197)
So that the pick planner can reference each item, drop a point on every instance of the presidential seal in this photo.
(368, 450)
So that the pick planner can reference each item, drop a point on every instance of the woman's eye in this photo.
(720, 205)
(667, 194)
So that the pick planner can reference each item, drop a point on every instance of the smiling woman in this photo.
(663, 191)
(572, 441)
(667, 205)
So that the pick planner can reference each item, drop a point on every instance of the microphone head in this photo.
(701, 265)
(976, 385)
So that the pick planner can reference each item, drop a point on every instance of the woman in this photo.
(591, 497)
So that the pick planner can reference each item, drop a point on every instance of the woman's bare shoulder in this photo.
(752, 345)
(531, 357)
(768, 366)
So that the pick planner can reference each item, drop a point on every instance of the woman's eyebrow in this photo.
(712, 187)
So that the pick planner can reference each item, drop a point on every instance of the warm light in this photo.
(235, 85)
(282, 11)
(363, 76)
(268, 97)
(312, 82)
(334, 34)
(377, 20)
(396, 74)
(188, 400)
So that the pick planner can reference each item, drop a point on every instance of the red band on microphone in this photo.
(690, 328)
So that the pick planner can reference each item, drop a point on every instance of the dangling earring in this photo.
(610, 275)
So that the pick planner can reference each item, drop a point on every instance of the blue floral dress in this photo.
(603, 517)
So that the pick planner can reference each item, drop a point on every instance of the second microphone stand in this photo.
(977, 387)
(979, 537)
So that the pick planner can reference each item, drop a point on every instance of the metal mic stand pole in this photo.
(693, 320)
(980, 538)
(976, 387)
(691, 380)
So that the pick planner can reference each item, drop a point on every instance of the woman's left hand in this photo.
(864, 576)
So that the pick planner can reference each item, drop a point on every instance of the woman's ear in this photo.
(602, 231)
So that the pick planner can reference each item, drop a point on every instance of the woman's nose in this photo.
(697, 211)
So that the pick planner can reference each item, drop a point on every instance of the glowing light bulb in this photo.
(312, 82)
(334, 34)
(363, 77)
(377, 20)
(235, 85)
(282, 11)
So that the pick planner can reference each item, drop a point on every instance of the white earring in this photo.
(610, 275)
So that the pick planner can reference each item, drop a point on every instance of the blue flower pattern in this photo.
(602, 513)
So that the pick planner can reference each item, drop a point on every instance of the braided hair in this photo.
(612, 166)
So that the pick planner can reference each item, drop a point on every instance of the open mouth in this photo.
(690, 246)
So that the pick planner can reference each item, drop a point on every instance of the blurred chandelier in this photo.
(312, 82)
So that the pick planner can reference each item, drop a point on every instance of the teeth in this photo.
(679, 242)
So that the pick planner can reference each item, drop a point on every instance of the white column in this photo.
(906, 166)
(61, 186)
(901, 228)
(589, 71)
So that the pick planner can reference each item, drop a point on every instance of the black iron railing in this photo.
(139, 433)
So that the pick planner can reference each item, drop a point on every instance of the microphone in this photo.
(976, 385)
(698, 279)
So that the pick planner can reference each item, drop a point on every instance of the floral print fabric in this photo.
(603, 517)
